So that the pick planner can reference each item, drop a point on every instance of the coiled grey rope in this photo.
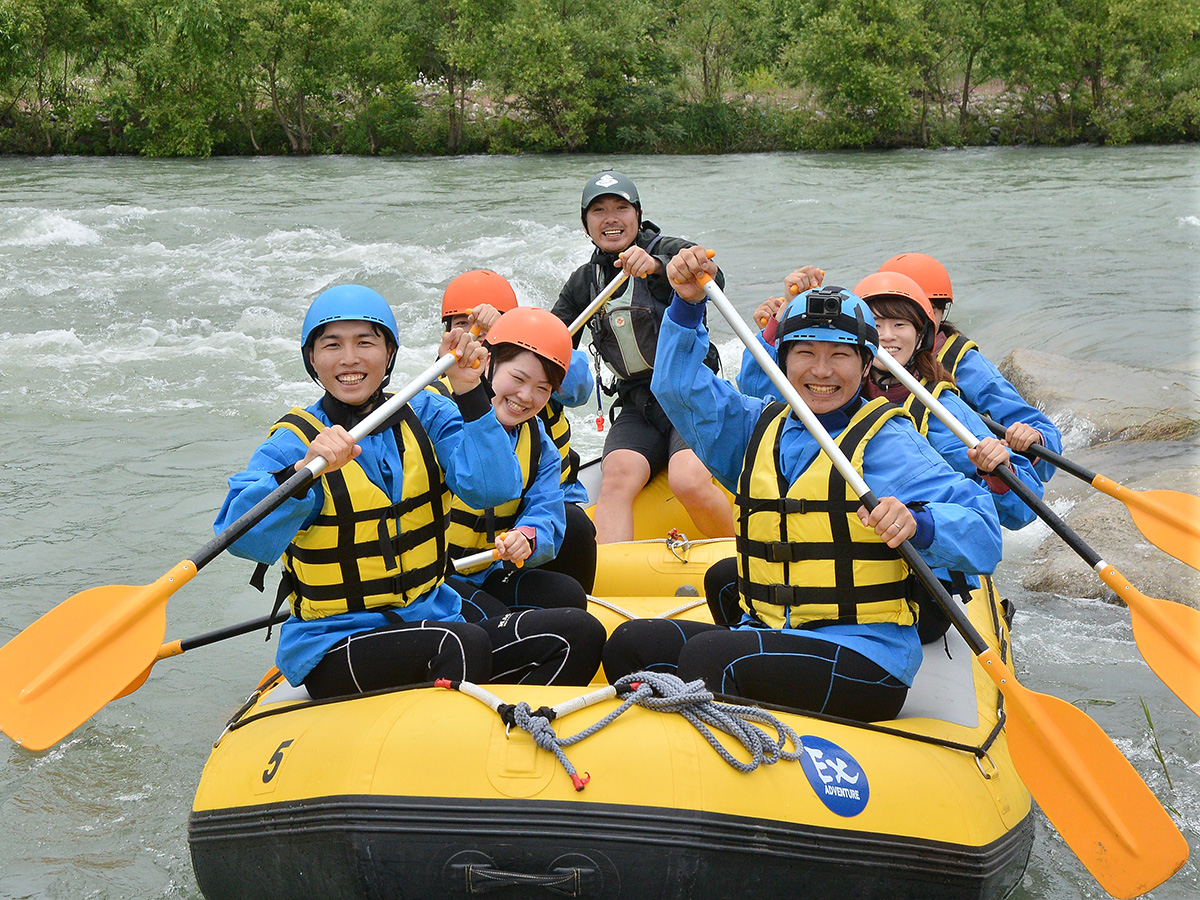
(662, 692)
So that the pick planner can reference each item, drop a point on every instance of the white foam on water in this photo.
(49, 228)
(1191, 220)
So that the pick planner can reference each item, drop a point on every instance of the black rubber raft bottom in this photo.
(413, 847)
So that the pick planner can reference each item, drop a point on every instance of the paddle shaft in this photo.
(305, 476)
(953, 610)
(1055, 459)
(609, 289)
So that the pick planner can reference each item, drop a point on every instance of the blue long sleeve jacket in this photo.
(962, 531)
(542, 509)
(989, 393)
(479, 465)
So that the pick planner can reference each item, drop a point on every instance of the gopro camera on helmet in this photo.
(824, 304)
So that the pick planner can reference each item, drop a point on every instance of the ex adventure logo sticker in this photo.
(835, 775)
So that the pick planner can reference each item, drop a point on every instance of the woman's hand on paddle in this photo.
(335, 445)
(771, 308)
(483, 317)
(988, 455)
(1020, 437)
(891, 520)
(472, 357)
(687, 266)
(802, 279)
(514, 546)
(638, 263)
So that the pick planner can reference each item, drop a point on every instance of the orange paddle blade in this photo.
(1169, 519)
(60, 670)
(1088, 790)
(166, 651)
(1167, 635)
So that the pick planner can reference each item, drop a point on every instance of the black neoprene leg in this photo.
(545, 646)
(400, 654)
(577, 555)
(648, 645)
(535, 589)
(720, 590)
(793, 670)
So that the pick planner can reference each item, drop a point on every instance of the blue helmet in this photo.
(346, 303)
(831, 314)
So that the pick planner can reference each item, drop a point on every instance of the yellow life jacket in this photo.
(956, 347)
(473, 529)
(919, 412)
(441, 386)
(558, 427)
(804, 557)
(363, 551)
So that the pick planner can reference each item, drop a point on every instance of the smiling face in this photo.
(351, 360)
(612, 223)
(827, 375)
(521, 388)
(898, 337)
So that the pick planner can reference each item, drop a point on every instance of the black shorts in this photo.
(643, 427)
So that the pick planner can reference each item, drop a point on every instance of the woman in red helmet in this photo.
(979, 382)
(477, 299)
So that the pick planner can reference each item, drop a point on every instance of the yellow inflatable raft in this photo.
(428, 793)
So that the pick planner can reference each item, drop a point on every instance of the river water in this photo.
(149, 313)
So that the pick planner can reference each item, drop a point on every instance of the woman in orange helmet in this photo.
(477, 299)
(530, 355)
(979, 382)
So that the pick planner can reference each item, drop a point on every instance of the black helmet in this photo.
(608, 182)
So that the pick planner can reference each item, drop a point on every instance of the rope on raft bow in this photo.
(659, 692)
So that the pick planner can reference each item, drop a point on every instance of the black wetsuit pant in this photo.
(790, 669)
(500, 644)
(577, 555)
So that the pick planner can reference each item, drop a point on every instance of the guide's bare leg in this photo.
(623, 475)
(692, 485)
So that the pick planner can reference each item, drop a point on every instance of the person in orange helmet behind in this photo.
(979, 382)
(477, 299)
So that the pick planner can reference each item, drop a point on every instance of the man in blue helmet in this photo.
(829, 620)
(364, 548)
(641, 442)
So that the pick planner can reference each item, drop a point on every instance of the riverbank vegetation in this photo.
(203, 77)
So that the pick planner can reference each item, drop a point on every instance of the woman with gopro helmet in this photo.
(642, 441)
(477, 299)
(828, 622)
(364, 548)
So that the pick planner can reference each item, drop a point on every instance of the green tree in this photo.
(568, 65)
(865, 68)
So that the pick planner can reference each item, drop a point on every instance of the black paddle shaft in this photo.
(1037, 451)
(219, 544)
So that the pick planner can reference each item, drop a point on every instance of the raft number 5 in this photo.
(276, 759)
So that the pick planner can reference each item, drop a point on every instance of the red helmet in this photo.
(535, 329)
(470, 289)
(926, 271)
(883, 284)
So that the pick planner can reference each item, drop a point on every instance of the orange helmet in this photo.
(926, 271)
(884, 284)
(468, 290)
(535, 329)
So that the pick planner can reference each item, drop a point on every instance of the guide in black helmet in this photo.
(624, 334)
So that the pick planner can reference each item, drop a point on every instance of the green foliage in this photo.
(198, 77)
